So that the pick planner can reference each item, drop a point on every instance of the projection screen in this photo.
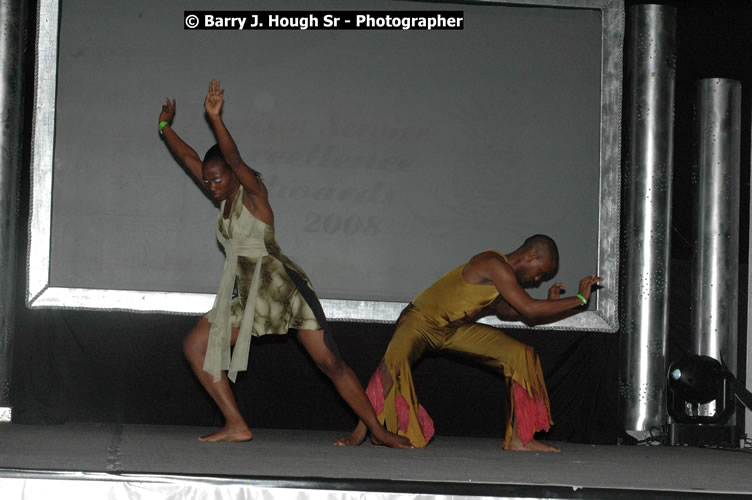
(391, 156)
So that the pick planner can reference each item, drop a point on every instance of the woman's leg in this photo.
(358, 434)
(194, 348)
(348, 386)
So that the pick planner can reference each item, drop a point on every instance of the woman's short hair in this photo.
(215, 154)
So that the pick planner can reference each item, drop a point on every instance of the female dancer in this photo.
(274, 294)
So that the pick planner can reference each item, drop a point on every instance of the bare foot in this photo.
(229, 435)
(355, 438)
(533, 445)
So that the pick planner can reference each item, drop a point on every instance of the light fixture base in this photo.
(722, 436)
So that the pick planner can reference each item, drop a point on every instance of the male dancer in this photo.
(444, 317)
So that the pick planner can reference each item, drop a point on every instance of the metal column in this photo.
(748, 413)
(715, 265)
(12, 38)
(648, 175)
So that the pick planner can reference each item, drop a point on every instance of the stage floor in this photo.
(304, 459)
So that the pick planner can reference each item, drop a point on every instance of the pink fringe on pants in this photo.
(531, 414)
(375, 393)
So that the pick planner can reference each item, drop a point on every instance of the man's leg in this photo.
(527, 399)
(391, 390)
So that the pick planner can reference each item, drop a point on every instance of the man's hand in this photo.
(215, 98)
(554, 292)
(168, 111)
(587, 283)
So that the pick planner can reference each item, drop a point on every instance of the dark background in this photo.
(128, 368)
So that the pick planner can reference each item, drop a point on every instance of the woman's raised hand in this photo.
(168, 111)
(214, 98)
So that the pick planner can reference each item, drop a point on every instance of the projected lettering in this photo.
(336, 223)
(377, 193)
(327, 156)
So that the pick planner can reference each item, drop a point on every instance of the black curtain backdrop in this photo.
(128, 368)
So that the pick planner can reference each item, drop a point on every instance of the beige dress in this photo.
(273, 293)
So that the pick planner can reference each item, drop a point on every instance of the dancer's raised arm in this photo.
(182, 151)
(246, 175)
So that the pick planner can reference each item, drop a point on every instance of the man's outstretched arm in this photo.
(505, 312)
(490, 268)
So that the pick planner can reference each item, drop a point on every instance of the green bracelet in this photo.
(583, 299)
(162, 125)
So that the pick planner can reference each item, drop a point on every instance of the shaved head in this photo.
(546, 249)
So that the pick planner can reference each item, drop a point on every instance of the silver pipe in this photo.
(648, 175)
(12, 36)
(715, 264)
(748, 414)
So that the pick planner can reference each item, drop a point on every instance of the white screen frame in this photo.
(602, 317)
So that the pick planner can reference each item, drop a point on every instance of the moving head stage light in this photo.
(699, 380)
(702, 393)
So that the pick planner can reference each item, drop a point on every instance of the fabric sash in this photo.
(218, 351)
